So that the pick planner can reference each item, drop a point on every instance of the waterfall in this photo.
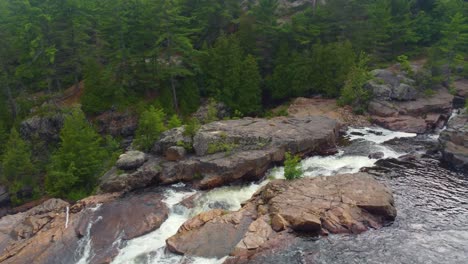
(67, 216)
(85, 244)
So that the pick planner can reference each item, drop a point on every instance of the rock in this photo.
(4, 196)
(245, 149)
(40, 235)
(172, 138)
(391, 86)
(116, 180)
(131, 160)
(349, 203)
(419, 116)
(454, 141)
(44, 128)
(305, 107)
(376, 155)
(221, 111)
(404, 92)
(125, 218)
(175, 153)
(117, 124)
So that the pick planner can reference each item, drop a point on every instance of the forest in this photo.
(161, 58)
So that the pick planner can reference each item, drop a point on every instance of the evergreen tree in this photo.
(174, 122)
(78, 163)
(150, 127)
(248, 99)
(17, 169)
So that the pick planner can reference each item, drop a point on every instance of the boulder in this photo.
(349, 203)
(131, 160)
(116, 180)
(175, 153)
(454, 141)
(220, 110)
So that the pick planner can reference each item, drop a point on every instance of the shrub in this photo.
(353, 92)
(292, 168)
(150, 127)
(405, 64)
(192, 126)
(174, 122)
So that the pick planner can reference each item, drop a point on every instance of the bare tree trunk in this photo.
(174, 94)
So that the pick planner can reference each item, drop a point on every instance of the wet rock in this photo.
(175, 153)
(376, 155)
(131, 160)
(454, 141)
(124, 219)
(116, 180)
(349, 203)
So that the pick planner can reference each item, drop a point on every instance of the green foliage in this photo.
(150, 127)
(191, 127)
(78, 163)
(221, 146)
(174, 122)
(17, 171)
(292, 167)
(353, 92)
(212, 111)
(405, 64)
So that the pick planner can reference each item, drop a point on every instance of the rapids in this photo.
(431, 226)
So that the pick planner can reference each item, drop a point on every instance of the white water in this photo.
(150, 248)
(85, 246)
(67, 212)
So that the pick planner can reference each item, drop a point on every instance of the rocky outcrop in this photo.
(116, 123)
(418, 116)
(211, 109)
(454, 141)
(43, 128)
(227, 151)
(42, 235)
(350, 203)
(461, 93)
(304, 107)
(397, 104)
(388, 85)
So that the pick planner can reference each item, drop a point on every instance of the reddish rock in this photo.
(349, 203)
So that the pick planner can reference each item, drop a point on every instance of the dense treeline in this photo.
(247, 54)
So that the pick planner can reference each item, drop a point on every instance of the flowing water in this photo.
(431, 227)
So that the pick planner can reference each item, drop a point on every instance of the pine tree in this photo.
(150, 127)
(174, 122)
(76, 166)
(17, 169)
(249, 93)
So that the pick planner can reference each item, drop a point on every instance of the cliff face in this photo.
(454, 141)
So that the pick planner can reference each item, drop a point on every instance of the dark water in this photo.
(431, 226)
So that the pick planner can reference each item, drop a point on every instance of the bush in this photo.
(192, 126)
(174, 122)
(292, 167)
(353, 92)
(405, 65)
(150, 127)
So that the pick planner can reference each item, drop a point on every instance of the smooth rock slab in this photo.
(131, 160)
(348, 203)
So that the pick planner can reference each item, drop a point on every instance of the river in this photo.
(432, 205)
